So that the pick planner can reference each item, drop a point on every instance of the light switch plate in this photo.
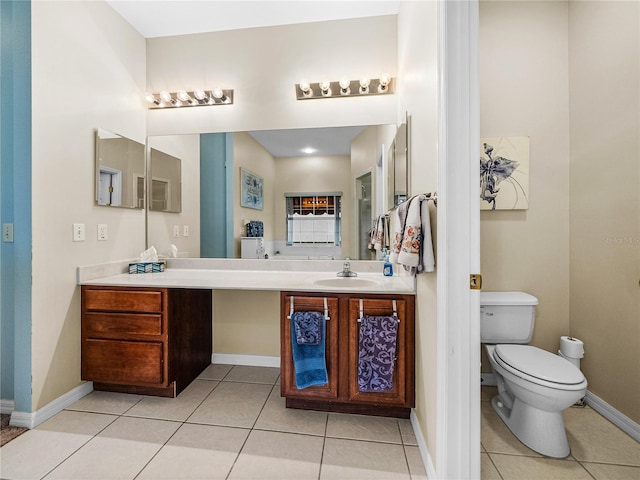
(102, 232)
(78, 232)
(185, 231)
(7, 232)
(176, 231)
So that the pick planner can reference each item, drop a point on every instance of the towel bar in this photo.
(326, 309)
(361, 305)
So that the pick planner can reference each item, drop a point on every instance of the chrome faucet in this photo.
(346, 270)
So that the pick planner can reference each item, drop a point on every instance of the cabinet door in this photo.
(288, 381)
(397, 394)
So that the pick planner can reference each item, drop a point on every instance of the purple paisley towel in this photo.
(376, 353)
(308, 327)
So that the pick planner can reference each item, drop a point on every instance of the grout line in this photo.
(324, 443)
(494, 466)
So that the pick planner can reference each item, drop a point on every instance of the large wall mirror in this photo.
(120, 171)
(212, 165)
(165, 182)
(399, 163)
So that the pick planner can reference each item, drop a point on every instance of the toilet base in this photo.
(539, 430)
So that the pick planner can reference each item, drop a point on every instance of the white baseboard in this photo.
(422, 447)
(247, 360)
(7, 407)
(33, 419)
(616, 417)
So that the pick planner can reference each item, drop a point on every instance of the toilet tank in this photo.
(506, 317)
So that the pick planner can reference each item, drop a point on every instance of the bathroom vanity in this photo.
(152, 333)
(341, 393)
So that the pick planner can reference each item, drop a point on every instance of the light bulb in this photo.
(305, 87)
(364, 85)
(150, 98)
(385, 79)
(183, 96)
(199, 94)
(165, 96)
(217, 93)
(344, 87)
(325, 86)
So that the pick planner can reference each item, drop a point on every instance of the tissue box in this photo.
(146, 267)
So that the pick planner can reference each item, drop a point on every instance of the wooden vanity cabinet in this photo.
(151, 341)
(342, 394)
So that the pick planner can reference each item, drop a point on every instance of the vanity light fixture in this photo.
(345, 88)
(195, 98)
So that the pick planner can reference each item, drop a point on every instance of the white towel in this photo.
(427, 259)
(409, 255)
(398, 231)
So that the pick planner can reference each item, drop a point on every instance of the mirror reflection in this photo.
(322, 190)
(120, 170)
(165, 182)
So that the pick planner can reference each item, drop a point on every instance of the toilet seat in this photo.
(539, 366)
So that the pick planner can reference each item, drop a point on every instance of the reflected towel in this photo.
(309, 360)
(307, 326)
(377, 348)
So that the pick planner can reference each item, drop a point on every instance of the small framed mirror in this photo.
(120, 171)
(165, 182)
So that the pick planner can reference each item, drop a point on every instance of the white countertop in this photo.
(222, 277)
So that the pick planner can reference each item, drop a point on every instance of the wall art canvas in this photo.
(252, 190)
(504, 173)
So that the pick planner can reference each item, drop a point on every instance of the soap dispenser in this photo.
(387, 269)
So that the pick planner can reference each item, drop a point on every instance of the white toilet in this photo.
(534, 386)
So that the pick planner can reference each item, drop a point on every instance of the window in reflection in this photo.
(313, 219)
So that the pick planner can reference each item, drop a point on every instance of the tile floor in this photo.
(599, 449)
(230, 423)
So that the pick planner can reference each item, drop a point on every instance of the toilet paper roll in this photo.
(571, 347)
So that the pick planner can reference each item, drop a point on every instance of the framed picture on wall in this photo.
(504, 173)
(251, 190)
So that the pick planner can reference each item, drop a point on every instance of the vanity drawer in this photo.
(110, 361)
(115, 324)
(123, 300)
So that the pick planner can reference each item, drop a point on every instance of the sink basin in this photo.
(345, 282)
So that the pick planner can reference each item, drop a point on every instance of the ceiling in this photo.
(160, 18)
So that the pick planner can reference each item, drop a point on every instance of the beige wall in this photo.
(605, 197)
(418, 95)
(160, 224)
(88, 68)
(249, 154)
(577, 247)
(524, 92)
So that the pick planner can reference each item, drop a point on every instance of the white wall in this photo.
(418, 84)
(160, 224)
(263, 65)
(88, 72)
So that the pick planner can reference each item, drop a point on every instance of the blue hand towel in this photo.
(308, 331)
(309, 360)
(377, 353)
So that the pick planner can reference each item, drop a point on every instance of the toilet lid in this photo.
(539, 363)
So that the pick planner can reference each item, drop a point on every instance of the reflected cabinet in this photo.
(370, 369)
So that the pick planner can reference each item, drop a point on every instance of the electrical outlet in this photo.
(78, 232)
(7, 232)
(176, 231)
(185, 231)
(102, 232)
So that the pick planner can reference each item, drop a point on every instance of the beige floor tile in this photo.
(416, 465)
(496, 436)
(178, 408)
(196, 452)
(232, 404)
(514, 467)
(106, 402)
(120, 451)
(276, 417)
(593, 438)
(240, 373)
(358, 460)
(36, 452)
(281, 456)
(603, 471)
(488, 470)
(363, 427)
(215, 371)
(407, 433)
